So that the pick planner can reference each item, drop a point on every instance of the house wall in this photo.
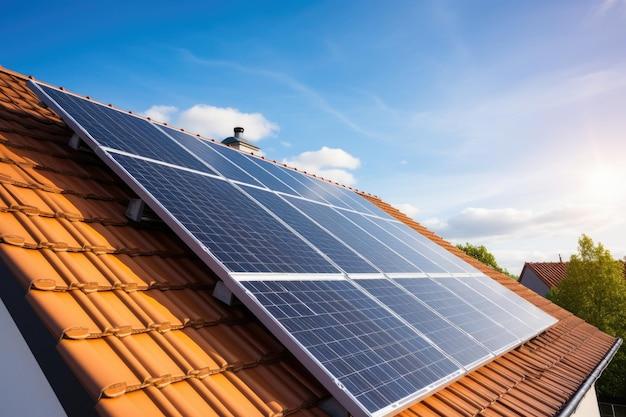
(36, 357)
(532, 281)
(24, 390)
(588, 407)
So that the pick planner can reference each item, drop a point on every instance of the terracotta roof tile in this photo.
(132, 310)
(548, 272)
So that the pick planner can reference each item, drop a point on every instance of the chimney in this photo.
(238, 142)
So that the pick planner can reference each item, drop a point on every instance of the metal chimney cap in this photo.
(238, 131)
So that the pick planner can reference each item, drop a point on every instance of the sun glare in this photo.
(602, 184)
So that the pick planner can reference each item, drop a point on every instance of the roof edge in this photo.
(15, 73)
(572, 404)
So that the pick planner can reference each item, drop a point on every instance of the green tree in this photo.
(594, 289)
(481, 254)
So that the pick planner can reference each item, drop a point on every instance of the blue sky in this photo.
(490, 122)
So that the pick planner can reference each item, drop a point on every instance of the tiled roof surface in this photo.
(551, 273)
(132, 312)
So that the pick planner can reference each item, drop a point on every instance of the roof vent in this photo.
(238, 142)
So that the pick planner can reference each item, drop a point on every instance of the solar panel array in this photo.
(379, 314)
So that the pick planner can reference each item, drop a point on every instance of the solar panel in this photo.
(206, 152)
(390, 240)
(383, 257)
(365, 349)
(111, 128)
(233, 228)
(378, 313)
(442, 332)
(345, 257)
(441, 258)
(491, 334)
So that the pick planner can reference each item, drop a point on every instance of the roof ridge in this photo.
(15, 73)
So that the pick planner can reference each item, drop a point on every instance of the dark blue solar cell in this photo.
(112, 128)
(343, 256)
(237, 231)
(293, 180)
(248, 164)
(373, 250)
(493, 336)
(205, 151)
(327, 192)
(386, 236)
(357, 203)
(448, 338)
(376, 357)
(316, 190)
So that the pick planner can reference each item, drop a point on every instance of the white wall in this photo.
(588, 407)
(24, 390)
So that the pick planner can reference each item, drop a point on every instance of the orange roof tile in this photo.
(132, 312)
(550, 273)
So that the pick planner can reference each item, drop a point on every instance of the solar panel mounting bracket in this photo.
(222, 293)
(78, 144)
(135, 209)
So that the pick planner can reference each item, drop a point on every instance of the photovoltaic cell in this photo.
(405, 250)
(450, 339)
(497, 311)
(253, 169)
(317, 187)
(364, 348)
(373, 250)
(358, 203)
(343, 256)
(431, 250)
(113, 129)
(243, 237)
(490, 334)
(532, 316)
(276, 236)
(294, 180)
(203, 149)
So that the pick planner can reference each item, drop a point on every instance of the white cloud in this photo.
(218, 123)
(485, 222)
(494, 223)
(214, 122)
(330, 163)
(160, 113)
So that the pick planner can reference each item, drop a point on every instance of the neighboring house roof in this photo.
(132, 315)
(550, 273)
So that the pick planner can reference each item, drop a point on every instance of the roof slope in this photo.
(131, 310)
